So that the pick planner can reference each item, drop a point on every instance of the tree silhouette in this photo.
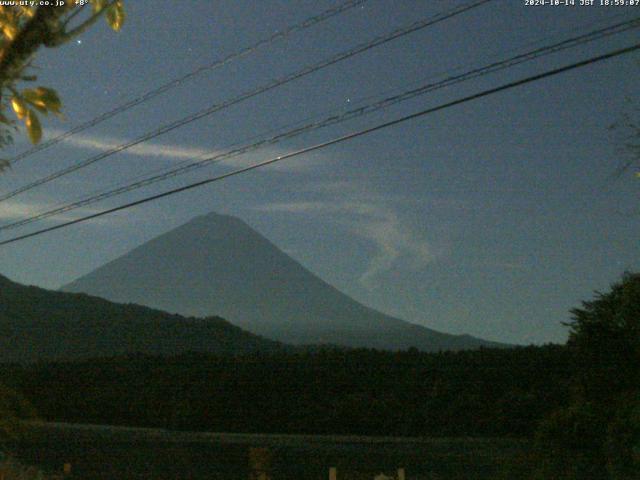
(598, 435)
(605, 335)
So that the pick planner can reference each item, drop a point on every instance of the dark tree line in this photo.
(488, 392)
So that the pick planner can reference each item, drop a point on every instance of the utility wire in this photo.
(418, 25)
(338, 140)
(327, 14)
(334, 119)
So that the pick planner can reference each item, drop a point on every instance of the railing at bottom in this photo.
(400, 475)
(260, 460)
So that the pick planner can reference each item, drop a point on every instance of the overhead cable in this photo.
(418, 25)
(334, 119)
(335, 141)
(146, 96)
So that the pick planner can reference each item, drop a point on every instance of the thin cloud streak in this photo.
(178, 152)
(11, 211)
(148, 149)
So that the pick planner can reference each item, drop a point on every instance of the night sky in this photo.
(491, 218)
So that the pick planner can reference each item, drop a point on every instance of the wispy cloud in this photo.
(178, 152)
(14, 211)
(147, 149)
(370, 217)
(393, 240)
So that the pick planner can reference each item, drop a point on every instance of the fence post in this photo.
(401, 474)
(333, 473)
(66, 469)
(259, 464)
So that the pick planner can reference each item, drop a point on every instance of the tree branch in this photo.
(64, 37)
(73, 15)
(37, 31)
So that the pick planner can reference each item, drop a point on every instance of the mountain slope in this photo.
(38, 324)
(217, 264)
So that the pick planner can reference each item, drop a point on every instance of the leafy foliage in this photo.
(116, 15)
(605, 335)
(598, 435)
(622, 447)
(23, 30)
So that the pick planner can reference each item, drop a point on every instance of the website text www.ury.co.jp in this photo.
(38, 3)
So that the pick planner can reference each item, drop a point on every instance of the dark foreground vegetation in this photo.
(474, 393)
(107, 453)
(580, 403)
(486, 393)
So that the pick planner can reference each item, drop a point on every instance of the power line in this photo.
(418, 25)
(335, 119)
(309, 22)
(335, 141)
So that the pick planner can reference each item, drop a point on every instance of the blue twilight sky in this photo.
(491, 218)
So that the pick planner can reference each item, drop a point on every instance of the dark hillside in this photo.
(38, 324)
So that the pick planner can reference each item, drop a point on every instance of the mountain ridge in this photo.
(217, 264)
(41, 325)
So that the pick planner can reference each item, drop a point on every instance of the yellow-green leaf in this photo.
(49, 98)
(27, 11)
(116, 15)
(34, 129)
(9, 29)
(19, 107)
(98, 5)
(35, 100)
